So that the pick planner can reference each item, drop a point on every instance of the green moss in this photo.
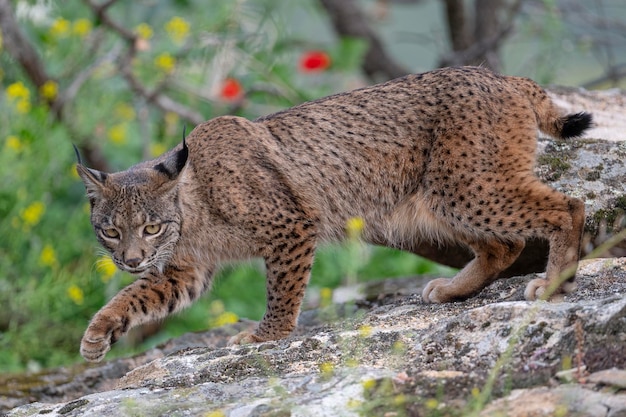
(609, 216)
(595, 173)
(620, 202)
(558, 165)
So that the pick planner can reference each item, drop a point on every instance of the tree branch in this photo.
(481, 47)
(458, 28)
(349, 21)
(21, 49)
(100, 11)
(486, 26)
(154, 96)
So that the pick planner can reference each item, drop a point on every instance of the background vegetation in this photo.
(121, 79)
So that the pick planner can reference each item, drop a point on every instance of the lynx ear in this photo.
(94, 180)
(173, 165)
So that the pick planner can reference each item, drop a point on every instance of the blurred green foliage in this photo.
(53, 277)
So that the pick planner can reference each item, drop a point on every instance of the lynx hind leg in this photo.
(491, 258)
(288, 269)
(564, 229)
(523, 208)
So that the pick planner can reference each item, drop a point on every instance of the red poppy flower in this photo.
(231, 89)
(314, 61)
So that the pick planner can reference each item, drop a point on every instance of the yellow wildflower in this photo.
(225, 318)
(221, 316)
(177, 28)
(171, 122)
(352, 363)
(23, 106)
(60, 27)
(157, 149)
(125, 111)
(399, 347)
(354, 227)
(399, 399)
(49, 90)
(215, 414)
(217, 307)
(75, 294)
(561, 410)
(81, 27)
(365, 331)
(354, 403)
(48, 257)
(326, 297)
(566, 362)
(32, 214)
(17, 91)
(20, 95)
(327, 368)
(431, 403)
(144, 31)
(117, 134)
(13, 143)
(368, 384)
(74, 172)
(165, 62)
(475, 392)
(106, 267)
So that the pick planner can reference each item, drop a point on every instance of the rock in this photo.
(610, 377)
(385, 353)
(567, 400)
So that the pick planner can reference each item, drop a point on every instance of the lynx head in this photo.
(135, 213)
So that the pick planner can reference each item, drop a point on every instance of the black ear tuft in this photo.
(173, 165)
(78, 158)
(88, 174)
(183, 154)
(93, 179)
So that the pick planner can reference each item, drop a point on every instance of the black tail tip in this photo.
(575, 124)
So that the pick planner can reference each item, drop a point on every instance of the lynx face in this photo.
(135, 218)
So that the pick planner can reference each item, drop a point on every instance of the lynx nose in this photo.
(133, 262)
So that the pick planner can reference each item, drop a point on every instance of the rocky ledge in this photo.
(384, 354)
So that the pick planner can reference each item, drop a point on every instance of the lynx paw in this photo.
(536, 290)
(245, 338)
(98, 338)
(437, 291)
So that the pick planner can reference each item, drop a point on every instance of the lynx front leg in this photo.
(148, 299)
(288, 271)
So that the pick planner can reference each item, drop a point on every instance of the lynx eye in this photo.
(152, 229)
(111, 233)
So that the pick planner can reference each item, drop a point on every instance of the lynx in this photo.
(445, 155)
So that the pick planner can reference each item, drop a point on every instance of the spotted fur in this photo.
(444, 155)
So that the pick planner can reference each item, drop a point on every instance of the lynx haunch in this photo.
(443, 155)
